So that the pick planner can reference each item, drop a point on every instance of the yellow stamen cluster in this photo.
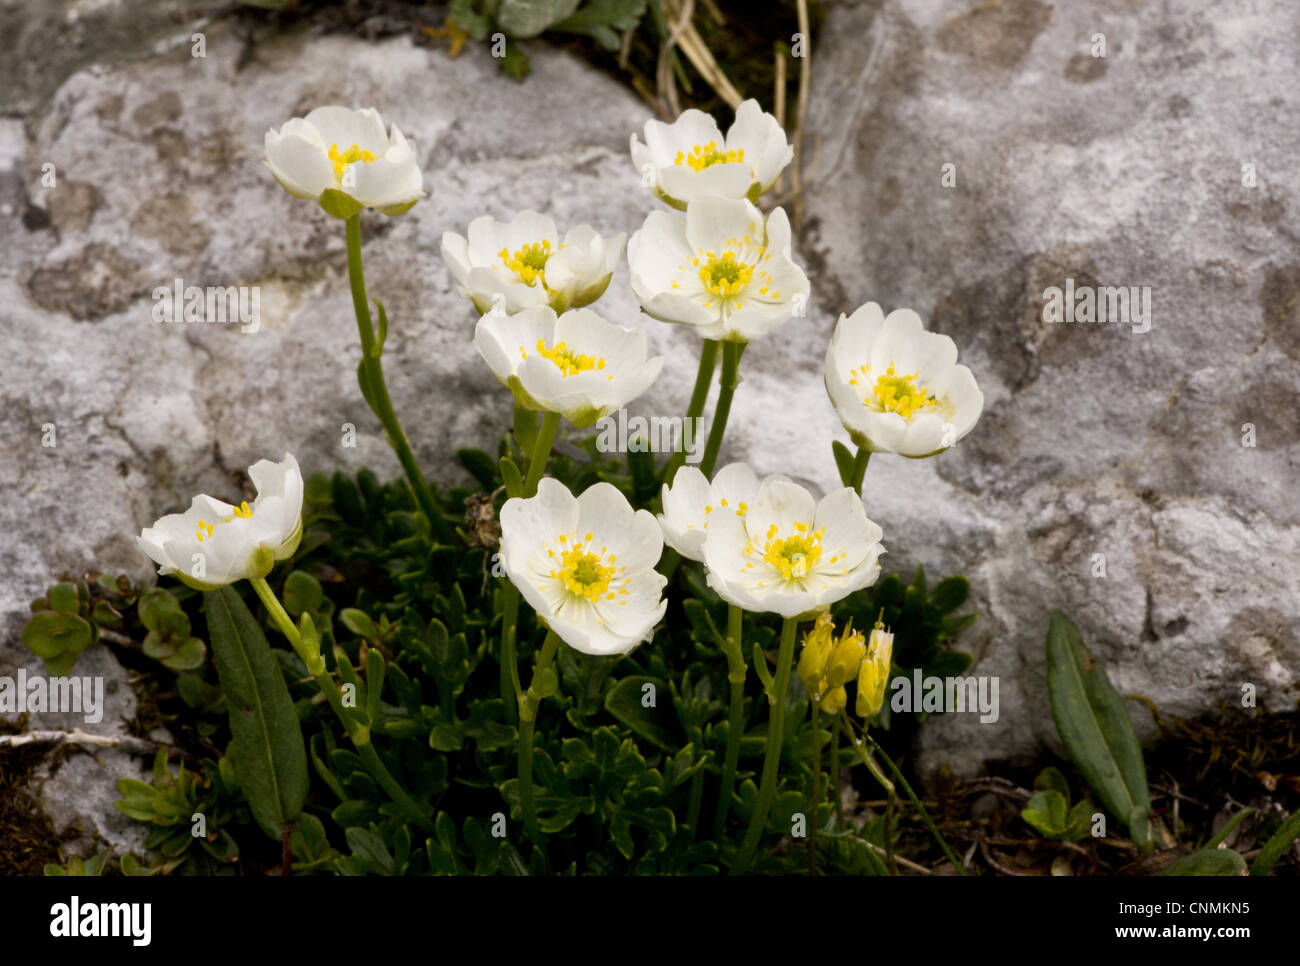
(529, 262)
(794, 555)
(341, 159)
(586, 572)
(724, 276)
(706, 155)
(583, 574)
(894, 393)
(570, 363)
(205, 528)
(736, 268)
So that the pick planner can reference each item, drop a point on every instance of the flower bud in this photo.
(873, 677)
(817, 647)
(846, 657)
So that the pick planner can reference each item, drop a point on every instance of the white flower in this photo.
(789, 554)
(586, 565)
(213, 543)
(719, 268)
(342, 159)
(898, 388)
(522, 263)
(691, 502)
(690, 159)
(575, 364)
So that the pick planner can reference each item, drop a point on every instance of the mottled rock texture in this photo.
(1125, 170)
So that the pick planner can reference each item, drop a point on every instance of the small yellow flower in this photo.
(873, 677)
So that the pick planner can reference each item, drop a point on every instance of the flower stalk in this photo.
(736, 716)
(542, 685)
(773, 743)
(510, 602)
(731, 353)
(370, 374)
(307, 646)
(695, 408)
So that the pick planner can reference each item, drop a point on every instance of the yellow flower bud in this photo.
(835, 701)
(846, 657)
(817, 647)
(873, 677)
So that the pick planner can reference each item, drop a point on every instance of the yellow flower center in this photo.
(570, 362)
(705, 155)
(794, 555)
(583, 574)
(893, 393)
(529, 262)
(341, 159)
(724, 275)
(205, 528)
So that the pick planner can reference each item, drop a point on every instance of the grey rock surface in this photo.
(1095, 440)
(158, 176)
(1126, 170)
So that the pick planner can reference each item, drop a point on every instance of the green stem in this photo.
(699, 395)
(358, 733)
(278, 613)
(731, 353)
(816, 786)
(696, 802)
(528, 705)
(772, 746)
(925, 816)
(736, 718)
(510, 603)
(541, 454)
(835, 774)
(509, 661)
(375, 389)
(860, 468)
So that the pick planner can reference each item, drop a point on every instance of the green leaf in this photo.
(302, 592)
(950, 593)
(1276, 846)
(51, 633)
(1208, 862)
(1048, 812)
(269, 755)
(188, 656)
(624, 702)
(511, 477)
(1050, 778)
(528, 18)
(1095, 727)
(480, 466)
(1228, 826)
(603, 19)
(843, 462)
(63, 597)
(359, 623)
(515, 63)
